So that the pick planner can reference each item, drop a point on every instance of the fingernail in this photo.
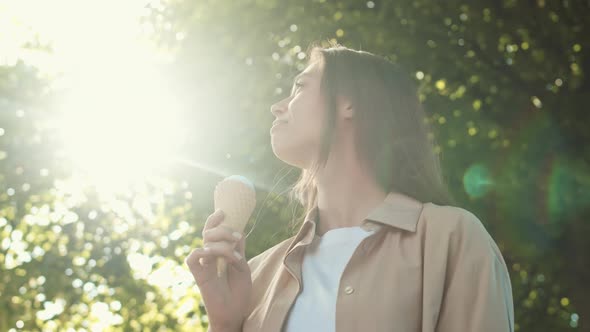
(207, 249)
(219, 212)
(237, 254)
(237, 235)
(201, 261)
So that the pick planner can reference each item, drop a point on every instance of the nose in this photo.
(277, 109)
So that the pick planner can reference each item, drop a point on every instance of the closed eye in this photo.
(296, 87)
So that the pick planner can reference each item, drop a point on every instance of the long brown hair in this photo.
(392, 135)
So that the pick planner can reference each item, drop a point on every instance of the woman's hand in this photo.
(226, 298)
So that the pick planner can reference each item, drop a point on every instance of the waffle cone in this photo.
(236, 196)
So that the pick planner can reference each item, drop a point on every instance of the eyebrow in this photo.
(298, 77)
(302, 75)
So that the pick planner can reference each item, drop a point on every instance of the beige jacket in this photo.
(427, 268)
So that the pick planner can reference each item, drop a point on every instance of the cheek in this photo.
(306, 116)
(309, 125)
(306, 106)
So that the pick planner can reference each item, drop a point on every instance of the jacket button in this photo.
(348, 290)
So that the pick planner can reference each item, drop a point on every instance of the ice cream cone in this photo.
(236, 196)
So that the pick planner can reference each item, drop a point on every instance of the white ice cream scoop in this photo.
(236, 196)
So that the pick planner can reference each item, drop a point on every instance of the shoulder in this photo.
(457, 229)
(452, 220)
(464, 271)
(272, 256)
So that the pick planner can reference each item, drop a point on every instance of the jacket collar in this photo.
(397, 210)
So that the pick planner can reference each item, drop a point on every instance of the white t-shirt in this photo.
(323, 263)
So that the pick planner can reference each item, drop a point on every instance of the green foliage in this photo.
(505, 86)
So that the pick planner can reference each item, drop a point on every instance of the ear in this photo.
(345, 108)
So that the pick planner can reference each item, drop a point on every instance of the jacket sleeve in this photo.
(477, 291)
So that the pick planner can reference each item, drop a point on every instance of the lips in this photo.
(278, 121)
(276, 124)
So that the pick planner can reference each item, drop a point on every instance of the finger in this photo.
(206, 260)
(241, 246)
(201, 273)
(214, 219)
(192, 260)
(221, 233)
(241, 265)
(225, 250)
(199, 260)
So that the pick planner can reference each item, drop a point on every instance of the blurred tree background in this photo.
(97, 214)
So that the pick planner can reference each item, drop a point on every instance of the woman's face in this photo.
(297, 141)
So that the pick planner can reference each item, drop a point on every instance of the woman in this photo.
(381, 248)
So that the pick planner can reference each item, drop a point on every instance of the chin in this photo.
(291, 157)
(284, 157)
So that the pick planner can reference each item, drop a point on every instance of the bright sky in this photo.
(119, 122)
(76, 29)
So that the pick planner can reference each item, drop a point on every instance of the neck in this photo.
(346, 194)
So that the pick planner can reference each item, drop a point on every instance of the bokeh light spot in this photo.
(477, 104)
(477, 180)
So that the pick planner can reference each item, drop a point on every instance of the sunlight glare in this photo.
(121, 128)
(119, 121)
